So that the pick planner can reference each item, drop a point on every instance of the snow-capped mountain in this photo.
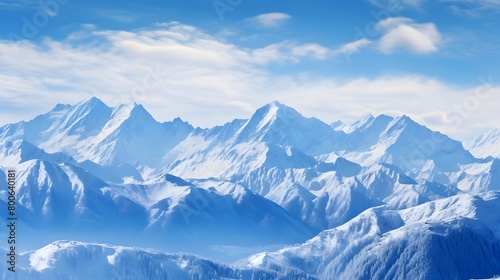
(184, 214)
(451, 238)
(15, 152)
(281, 125)
(92, 131)
(88, 171)
(276, 135)
(405, 143)
(51, 195)
(485, 145)
(330, 194)
(54, 198)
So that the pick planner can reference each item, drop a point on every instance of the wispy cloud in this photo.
(190, 66)
(475, 8)
(384, 4)
(472, 8)
(353, 47)
(120, 15)
(315, 50)
(179, 70)
(17, 4)
(269, 20)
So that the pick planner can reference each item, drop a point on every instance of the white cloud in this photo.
(178, 70)
(398, 34)
(314, 50)
(420, 97)
(404, 34)
(191, 67)
(393, 22)
(17, 4)
(270, 20)
(120, 15)
(353, 47)
(475, 8)
(395, 3)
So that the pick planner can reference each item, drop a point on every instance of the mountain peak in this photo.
(378, 123)
(405, 118)
(359, 124)
(278, 124)
(60, 107)
(403, 121)
(275, 103)
(133, 111)
(92, 100)
(264, 118)
(91, 103)
(274, 110)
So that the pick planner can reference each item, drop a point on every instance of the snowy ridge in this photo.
(485, 145)
(19, 151)
(77, 260)
(54, 198)
(451, 238)
(90, 130)
(383, 186)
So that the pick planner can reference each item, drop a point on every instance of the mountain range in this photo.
(332, 196)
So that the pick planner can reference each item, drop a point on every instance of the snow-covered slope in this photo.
(90, 171)
(184, 214)
(330, 194)
(281, 125)
(65, 200)
(126, 140)
(65, 196)
(485, 145)
(451, 238)
(482, 176)
(19, 151)
(91, 130)
(77, 260)
(276, 135)
(402, 142)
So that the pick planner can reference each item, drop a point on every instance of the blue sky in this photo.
(211, 61)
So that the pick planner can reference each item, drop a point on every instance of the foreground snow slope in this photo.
(451, 238)
(76, 260)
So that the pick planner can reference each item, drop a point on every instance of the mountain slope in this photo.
(90, 130)
(417, 150)
(65, 196)
(77, 260)
(485, 145)
(331, 193)
(276, 135)
(66, 201)
(19, 151)
(182, 213)
(281, 125)
(451, 238)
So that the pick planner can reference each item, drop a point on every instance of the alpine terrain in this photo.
(110, 193)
